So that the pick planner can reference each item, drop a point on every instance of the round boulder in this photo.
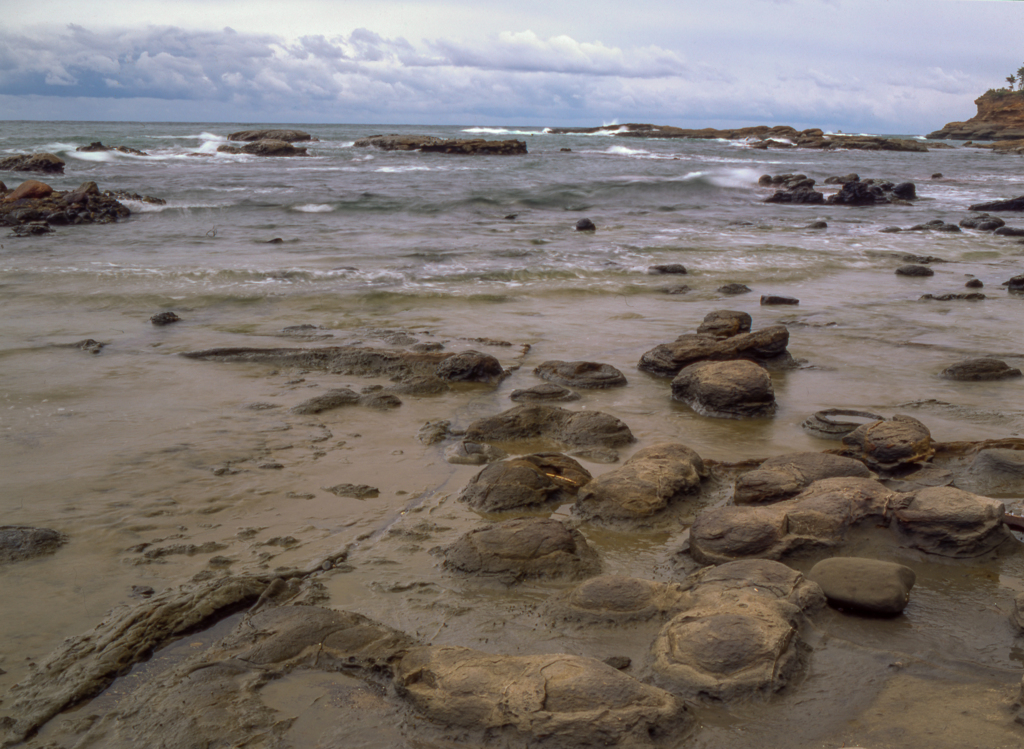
(914, 270)
(786, 476)
(726, 390)
(580, 374)
(547, 393)
(30, 189)
(523, 548)
(527, 482)
(533, 422)
(616, 599)
(886, 445)
(866, 586)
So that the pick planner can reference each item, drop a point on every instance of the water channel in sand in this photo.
(161, 468)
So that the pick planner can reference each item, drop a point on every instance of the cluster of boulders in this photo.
(45, 163)
(798, 188)
(431, 144)
(266, 147)
(98, 147)
(33, 207)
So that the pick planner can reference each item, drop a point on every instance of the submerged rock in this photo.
(643, 487)
(616, 599)
(734, 288)
(914, 270)
(547, 393)
(580, 374)
(726, 389)
(468, 453)
(514, 550)
(20, 542)
(542, 422)
(836, 423)
(164, 318)
(526, 482)
(289, 136)
(980, 369)
(338, 397)
(994, 471)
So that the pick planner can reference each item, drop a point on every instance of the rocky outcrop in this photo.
(529, 423)
(98, 147)
(35, 204)
(1000, 117)
(873, 192)
(289, 136)
(45, 163)
(973, 370)
(785, 476)
(1013, 204)
(265, 148)
(430, 144)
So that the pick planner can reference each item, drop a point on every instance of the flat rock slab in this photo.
(540, 700)
(467, 366)
(469, 453)
(339, 397)
(643, 487)
(994, 471)
(766, 346)
(974, 370)
(616, 600)
(887, 445)
(785, 476)
(19, 542)
(533, 422)
(866, 586)
(581, 374)
(726, 389)
(523, 548)
(547, 393)
(530, 481)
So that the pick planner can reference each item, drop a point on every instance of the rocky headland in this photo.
(1000, 117)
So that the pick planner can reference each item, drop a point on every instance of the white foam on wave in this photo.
(92, 155)
(313, 208)
(505, 131)
(138, 206)
(398, 169)
(636, 153)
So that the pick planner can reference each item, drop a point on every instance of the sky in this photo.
(879, 66)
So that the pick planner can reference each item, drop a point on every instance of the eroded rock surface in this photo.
(580, 374)
(514, 550)
(529, 481)
(339, 397)
(546, 393)
(980, 369)
(785, 476)
(643, 487)
(534, 422)
(540, 700)
(725, 323)
(887, 445)
(18, 542)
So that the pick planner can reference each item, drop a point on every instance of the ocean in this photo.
(136, 448)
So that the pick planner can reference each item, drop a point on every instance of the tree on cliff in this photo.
(1011, 80)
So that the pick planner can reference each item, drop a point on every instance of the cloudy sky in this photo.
(884, 66)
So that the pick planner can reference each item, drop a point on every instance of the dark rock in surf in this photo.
(736, 389)
(725, 323)
(1009, 231)
(786, 476)
(954, 297)
(275, 148)
(918, 271)
(339, 397)
(974, 283)
(528, 482)
(817, 225)
(164, 318)
(20, 542)
(429, 144)
(97, 147)
(774, 299)
(982, 223)
(866, 586)
(803, 194)
(873, 192)
(524, 548)
(289, 136)
(1015, 284)
(45, 163)
(974, 370)
(547, 393)
(835, 180)
(643, 488)
(668, 269)
(581, 374)
(734, 288)
(766, 346)
(1014, 204)
(585, 224)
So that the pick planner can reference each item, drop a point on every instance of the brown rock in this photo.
(29, 190)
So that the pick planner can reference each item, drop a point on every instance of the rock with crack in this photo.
(887, 445)
(528, 482)
(737, 389)
(738, 633)
(785, 476)
(641, 490)
(515, 550)
(540, 700)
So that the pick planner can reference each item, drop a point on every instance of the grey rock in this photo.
(865, 586)
(775, 299)
(766, 346)
(580, 374)
(980, 369)
(546, 393)
(786, 476)
(734, 288)
(914, 270)
(20, 542)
